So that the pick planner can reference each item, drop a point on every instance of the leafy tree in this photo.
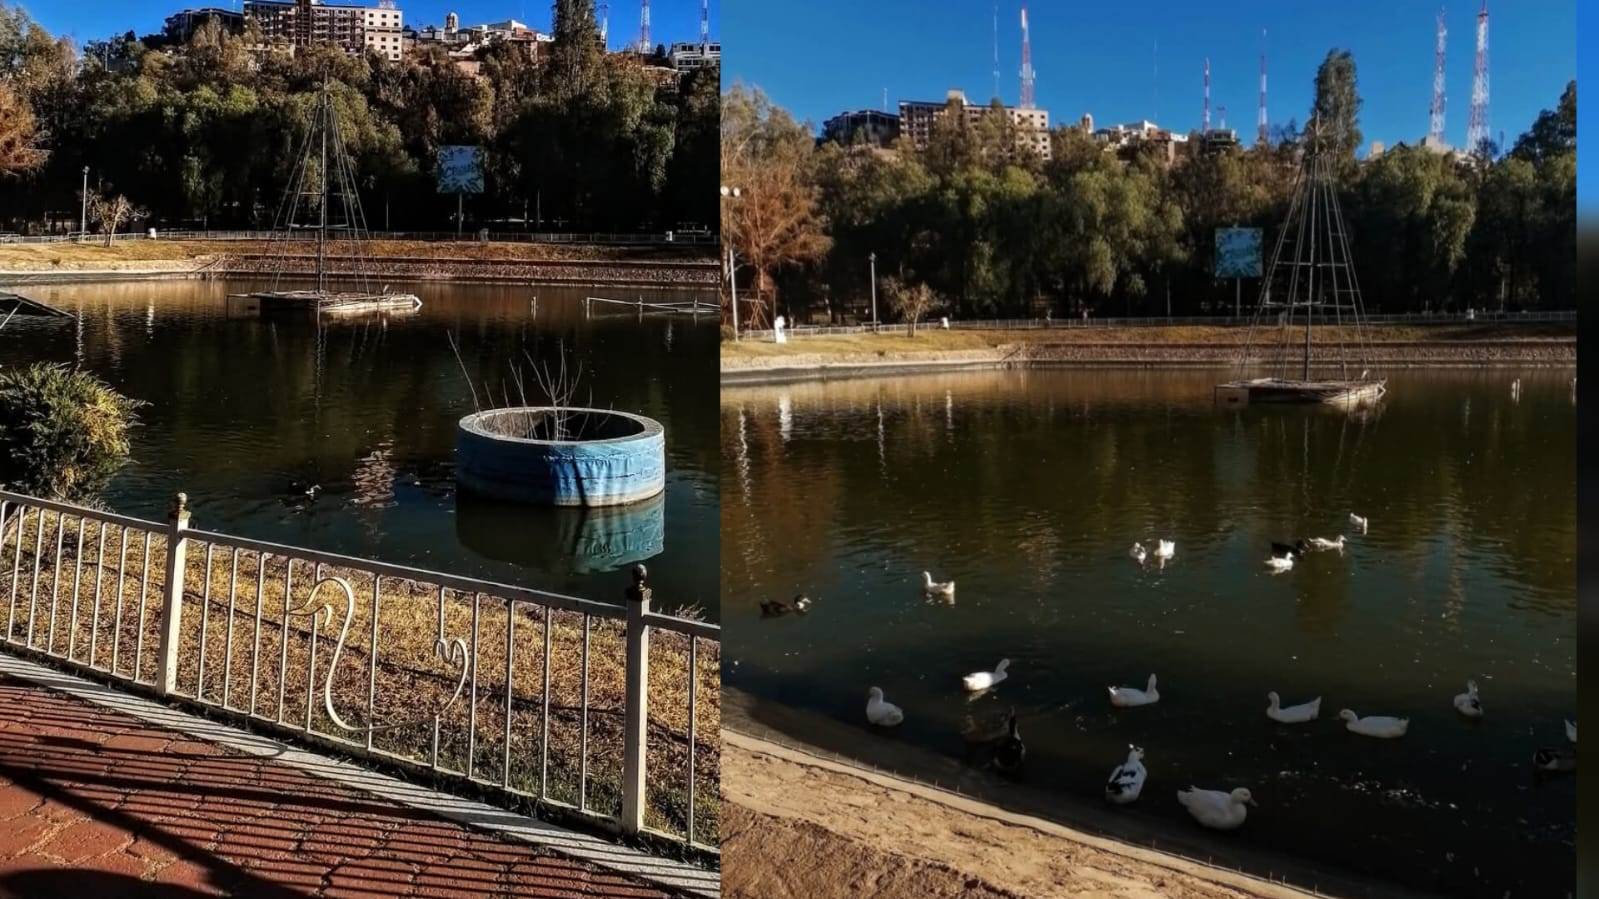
(17, 151)
(910, 301)
(1335, 112)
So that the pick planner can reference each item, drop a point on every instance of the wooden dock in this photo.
(17, 304)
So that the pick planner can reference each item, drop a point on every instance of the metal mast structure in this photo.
(1477, 128)
(1028, 75)
(1261, 136)
(1204, 117)
(1311, 281)
(705, 26)
(1435, 129)
(644, 26)
(996, 48)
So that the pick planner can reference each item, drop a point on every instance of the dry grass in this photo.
(936, 340)
(234, 653)
(93, 254)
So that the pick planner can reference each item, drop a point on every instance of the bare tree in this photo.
(910, 301)
(111, 212)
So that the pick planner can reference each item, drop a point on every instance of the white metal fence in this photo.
(664, 238)
(1064, 324)
(581, 709)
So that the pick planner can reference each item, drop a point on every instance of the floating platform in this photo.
(273, 301)
(1290, 390)
(17, 304)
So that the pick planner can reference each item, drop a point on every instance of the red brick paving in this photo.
(95, 804)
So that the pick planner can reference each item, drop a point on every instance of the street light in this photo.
(872, 258)
(732, 193)
(83, 216)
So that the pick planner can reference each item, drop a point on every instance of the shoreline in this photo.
(857, 357)
(770, 773)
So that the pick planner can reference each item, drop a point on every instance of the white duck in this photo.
(1467, 703)
(1280, 564)
(1571, 731)
(937, 588)
(1380, 726)
(1138, 553)
(1127, 780)
(1294, 714)
(1128, 697)
(881, 712)
(1165, 550)
(1324, 543)
(982, 680)
(1359, 521)
(1213, 808)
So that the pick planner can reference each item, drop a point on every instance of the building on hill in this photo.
(916, 118)
(1143, 136)
(869, 125)
(180, 26)
(687, 56)
(302, 23)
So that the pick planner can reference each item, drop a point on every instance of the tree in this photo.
(1335, 112)
(17, 151)
(910, 301)
(775, 221)
(110, 212)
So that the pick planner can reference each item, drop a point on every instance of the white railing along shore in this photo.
(542, 696)
(1067, 324)
(661, 238)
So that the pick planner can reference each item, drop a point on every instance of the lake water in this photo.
(245, 414)
(1028, 488)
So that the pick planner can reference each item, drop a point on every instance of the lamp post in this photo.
(872, 258)
(732, 193)
(83, 215)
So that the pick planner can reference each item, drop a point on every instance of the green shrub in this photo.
(63, 433)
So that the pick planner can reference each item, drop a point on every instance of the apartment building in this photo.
(916, 118)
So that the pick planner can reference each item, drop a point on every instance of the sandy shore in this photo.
(802, 826)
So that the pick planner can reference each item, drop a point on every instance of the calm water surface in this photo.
(245, 414)
(1028, 488)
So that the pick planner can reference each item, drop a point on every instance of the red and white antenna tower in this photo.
(1261, 137)
(1435, 129)
(1204, 118)
(1477, 128)
(1027, 64)
(644, 26)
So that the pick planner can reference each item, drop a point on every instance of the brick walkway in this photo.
(95, 804)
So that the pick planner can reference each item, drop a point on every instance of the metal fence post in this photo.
(172, 609)
(637, 712)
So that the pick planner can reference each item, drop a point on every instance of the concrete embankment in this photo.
(1540, 351)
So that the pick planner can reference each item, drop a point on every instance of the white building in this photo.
(383, 27)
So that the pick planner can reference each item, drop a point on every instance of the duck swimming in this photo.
(1323, 543)
(1380, 726)
(1215, 809)
(1010, 751)
(881, 712)
(937, 588)
(982, 680)
(1127, 779)
(799, 605)
(1360, 522)
(1467, 703)
(1294, 714)
(1128, 697)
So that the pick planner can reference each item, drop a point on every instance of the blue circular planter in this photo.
(608, 459)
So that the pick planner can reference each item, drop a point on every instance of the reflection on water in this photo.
(340, 434)
(1027, 488)
(581, 540)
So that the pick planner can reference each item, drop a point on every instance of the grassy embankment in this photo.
(133, 253)
(411, 680)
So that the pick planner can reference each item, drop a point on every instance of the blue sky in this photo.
(94, 19)
(819, 57)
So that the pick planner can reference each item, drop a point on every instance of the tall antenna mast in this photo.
(644, 26)
(1222, 111)
(996, 48)
(1027, 64)
(705, 26)
(1477, 128)
(1435, 129)
(1204, 118)
(1261, 137)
